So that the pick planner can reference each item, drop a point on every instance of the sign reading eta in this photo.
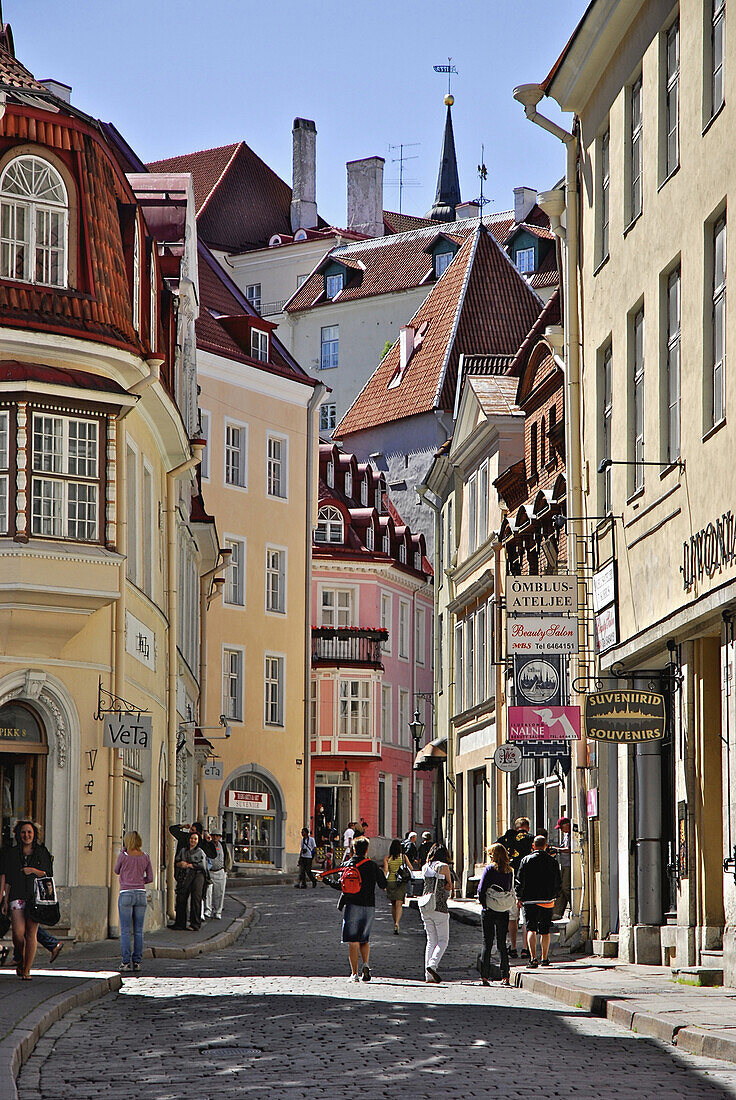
(541, 595)
(625, 717)
(126, 730)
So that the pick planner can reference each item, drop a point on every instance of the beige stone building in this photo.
(650, 170)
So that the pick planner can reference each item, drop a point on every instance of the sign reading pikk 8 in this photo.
(625, 717)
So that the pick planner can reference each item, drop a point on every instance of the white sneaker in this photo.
(354, 978)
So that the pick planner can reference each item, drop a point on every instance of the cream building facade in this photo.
(651, 86)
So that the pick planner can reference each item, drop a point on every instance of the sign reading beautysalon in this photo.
(541, 595)
(542, 634)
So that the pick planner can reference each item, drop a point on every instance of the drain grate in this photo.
(231, 1049)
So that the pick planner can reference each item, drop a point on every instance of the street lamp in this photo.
(416, 729)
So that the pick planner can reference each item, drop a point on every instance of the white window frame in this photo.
(34, 207)
(276, 606)
(671, 117)
(718, 322)
(420, 641)
(149, 527)
(604, 192)
(277, 468)
(253, 294)
(606, 392)
(459, 668)
(234, 591)
(337, 606)
(717, 56)
(637, 393)
(354, 708)
(348, 489)
(274, 683)
(331, 474)
(334, 285)
(370, 538)
(329, 347)
(524, 260)
(259, 344)
(387, 731)
(327, 416)
(442, 261)
(636, 150)
(481, 656)
(403, 632)
(205, 424)
(234, 674)
(473, 512)
(673, 311)
(331, 523)
(242, 463)
(55, 481)
(386, 618)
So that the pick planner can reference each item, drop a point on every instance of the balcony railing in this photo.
(269, 308)
(348, 645)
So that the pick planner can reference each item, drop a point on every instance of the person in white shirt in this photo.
(306, 855)
(347, 841)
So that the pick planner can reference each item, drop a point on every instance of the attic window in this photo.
(348, 483)
(524, 260)
(418, 561)
(275, 241)
(369, 540)
(364, 492)
(259, 345)
(253, 294)
(386, 544)
(34, 210)
(334, 285)
(331, 474)
(300, 235)
(442, 261)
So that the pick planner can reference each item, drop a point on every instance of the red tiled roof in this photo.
(13, 371)
(12, 72)
(240, 201)
(481, 304)
(550, 315)
(401, 223)
(218, 298)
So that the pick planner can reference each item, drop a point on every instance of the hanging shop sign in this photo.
(508, 758)
(541, 595)
(591, 802)
(709, 550)
(604, 587)
(246, 800)
(127, 730)
(212, 769)
(606, 629)
(538, 680)
(542, 634)
(625, 717)
(544, 723)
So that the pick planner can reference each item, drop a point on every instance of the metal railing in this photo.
(349, 645)
(269, 308)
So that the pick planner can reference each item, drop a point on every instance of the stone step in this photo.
(698, 975)
(606, 949)
(712, 958)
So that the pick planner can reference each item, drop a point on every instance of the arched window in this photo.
(364, 492)
(33, 223)
(329, 526)
(402, 553)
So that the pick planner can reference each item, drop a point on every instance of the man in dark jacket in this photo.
(518, 843)
(538, 882)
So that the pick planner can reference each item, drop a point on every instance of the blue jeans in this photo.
(132, 906)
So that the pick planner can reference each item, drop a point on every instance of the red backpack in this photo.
(350, 879)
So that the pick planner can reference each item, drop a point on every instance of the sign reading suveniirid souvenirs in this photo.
(542, 595)
(625, 717)
(544, 723)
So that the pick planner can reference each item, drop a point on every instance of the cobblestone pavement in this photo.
(275, 1015)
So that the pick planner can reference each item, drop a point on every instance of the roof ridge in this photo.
(196, 152)
(219, 180)
(390, 239)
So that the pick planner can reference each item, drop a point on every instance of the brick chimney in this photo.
(365, 196)
(304, 185)
(525, 198)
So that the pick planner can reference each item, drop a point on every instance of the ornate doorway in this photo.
(23, 752)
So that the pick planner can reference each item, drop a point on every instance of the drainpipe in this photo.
(498, 671)
(115, 776)
(172, 476)
(319, 391)
(204, 603)
(529, 96)
(425, 497)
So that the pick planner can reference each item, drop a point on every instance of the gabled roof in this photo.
(496, 394)
(240, 201)
(480, 304)
(402, 223)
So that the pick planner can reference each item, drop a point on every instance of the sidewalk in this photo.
(86, 971)
(644, 999)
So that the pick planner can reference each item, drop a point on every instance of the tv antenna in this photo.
(402, 182)
(449, 68)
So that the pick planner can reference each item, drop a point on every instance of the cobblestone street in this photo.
(276, 1015)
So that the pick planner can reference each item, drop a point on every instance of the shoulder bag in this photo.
(500, 901)
(428, 902)
(403, 874)
(43, 904)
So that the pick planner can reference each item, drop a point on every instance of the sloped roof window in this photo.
(329, 526)
(34, 210)
(442, 261)
(525, 260)
(334, 285)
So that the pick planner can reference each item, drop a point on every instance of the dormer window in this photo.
(418, 561)
(259, 345)
(334, 285)
(364, 492)
(525, 260)
(33, 223)
(369, 540)
(378, 500)
(402, 553)
(349, 483)
(331, 474)
(386, 544)
(329, 526)
(442, 261)
(300, 235)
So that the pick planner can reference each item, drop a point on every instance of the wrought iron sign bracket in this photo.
(729, 864)
(108, 703)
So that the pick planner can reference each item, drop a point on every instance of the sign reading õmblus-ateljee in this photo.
(541, 595)
(625, 717)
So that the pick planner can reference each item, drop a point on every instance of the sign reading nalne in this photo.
(540, 595)
(625, 717)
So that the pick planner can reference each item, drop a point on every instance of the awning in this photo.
(432, 755)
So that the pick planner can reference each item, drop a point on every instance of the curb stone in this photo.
(708, 1043)
(18, 1045)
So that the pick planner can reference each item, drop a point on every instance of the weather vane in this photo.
(482, 176)
(449, 68)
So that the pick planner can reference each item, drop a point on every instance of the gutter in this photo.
(312, 456)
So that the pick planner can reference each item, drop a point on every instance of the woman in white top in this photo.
(436, 917)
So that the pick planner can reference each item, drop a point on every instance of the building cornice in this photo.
(253, 380)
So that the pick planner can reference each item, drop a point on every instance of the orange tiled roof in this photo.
(481, 304)
(206, 167)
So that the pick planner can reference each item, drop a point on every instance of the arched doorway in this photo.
(23, 752)
(252, 811)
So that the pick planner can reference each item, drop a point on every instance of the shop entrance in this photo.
(252, 822)
(333, 802)
(23, 751)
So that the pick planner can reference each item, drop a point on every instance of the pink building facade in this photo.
(372, 657)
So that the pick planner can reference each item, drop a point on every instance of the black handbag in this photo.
(403, 874)
(42, 904)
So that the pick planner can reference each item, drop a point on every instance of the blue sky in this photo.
(175, 77)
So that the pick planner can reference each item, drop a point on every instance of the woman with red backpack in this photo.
(357, 885)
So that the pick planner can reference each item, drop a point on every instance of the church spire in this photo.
(448, 183)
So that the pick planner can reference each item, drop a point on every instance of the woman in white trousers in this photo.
(435, 914)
